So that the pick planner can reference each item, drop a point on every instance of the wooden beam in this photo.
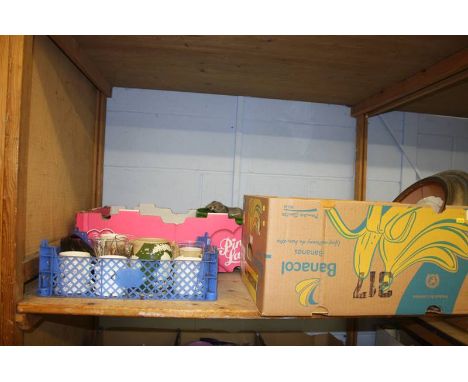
(15, 100)
(28, 321)
(72, 50)
(360, 173)
(444, 74)
(99, 149)
(425, 335)
(441, 325)
(4, 56)
(351, 331)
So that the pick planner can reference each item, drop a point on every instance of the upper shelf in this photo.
(342, 70)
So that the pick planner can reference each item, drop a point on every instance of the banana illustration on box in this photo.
(255, 213)
(404, 237)
(306, 289)
(253, 223)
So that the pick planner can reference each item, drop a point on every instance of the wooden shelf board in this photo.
(233, 302)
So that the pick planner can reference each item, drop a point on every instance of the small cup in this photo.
(153, 249)
(186, 276)
(187, 269)
(191, 249)
(105, 271)
(191, 252)
(111, 245)
(74, 273)
(109, 235)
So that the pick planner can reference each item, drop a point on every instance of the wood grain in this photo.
(28, 321)
(233, 302)
(351, 331)
(72, 49)
(4, 54)
(459, 322)
(59, 168)
(100, 127)
(48, 114)
(360, 182)
(443, 102)
(30, 267)
(330, 69)
(18, 51)
(441, 75)
(443, 326)
(424, 334)
(360, 174)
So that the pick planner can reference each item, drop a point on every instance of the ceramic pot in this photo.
(153, 249)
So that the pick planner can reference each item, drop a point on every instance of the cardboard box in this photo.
(348, 258)
(151, 221)
(298, 339)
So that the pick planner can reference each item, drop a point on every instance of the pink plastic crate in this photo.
(225, 233)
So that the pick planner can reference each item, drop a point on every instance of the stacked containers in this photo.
(115, 276)
(148, 221)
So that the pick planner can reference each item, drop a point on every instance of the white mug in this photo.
(190, 252)
(74, 273)
(186, 270)
(105, 272)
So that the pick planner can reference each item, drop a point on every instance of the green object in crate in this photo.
(217, 207)
(155, 251)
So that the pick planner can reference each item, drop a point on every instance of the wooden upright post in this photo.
(361, 158)
(360, 177)
(100, 126)
(15, 86)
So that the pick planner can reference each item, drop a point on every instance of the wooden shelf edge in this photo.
(124, 310)
(233, 302)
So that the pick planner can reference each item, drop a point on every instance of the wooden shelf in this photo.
(233, 302)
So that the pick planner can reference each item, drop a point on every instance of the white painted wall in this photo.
(432, 144)
(183, 150)
(168, 148)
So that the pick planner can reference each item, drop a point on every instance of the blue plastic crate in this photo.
(116, 278)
